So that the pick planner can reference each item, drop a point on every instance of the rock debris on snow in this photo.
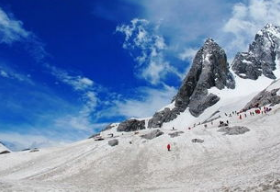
(236, 130)
(113, 142)
(152, 134)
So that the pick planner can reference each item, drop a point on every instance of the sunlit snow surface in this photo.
(249, 161)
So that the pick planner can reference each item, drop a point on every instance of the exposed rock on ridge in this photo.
(209, 69)
(269, 96)
(131, 125)
(261, 56)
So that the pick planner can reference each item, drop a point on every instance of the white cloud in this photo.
(147, 47)
(84, 86)
(186, 24)
(11, 30)
(9, 73)
(184, 21)
(78, 122)
(188, 54)
(23, 141)
(149, 100)
(78, 83)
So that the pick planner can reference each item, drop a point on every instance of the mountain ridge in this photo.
(210, 69)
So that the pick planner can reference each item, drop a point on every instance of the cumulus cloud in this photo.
(186, 24)
(147, 47)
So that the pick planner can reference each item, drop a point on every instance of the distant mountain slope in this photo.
(269, 96)
(261, 56)
(3, 149)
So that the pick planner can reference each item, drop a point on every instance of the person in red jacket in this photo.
(168, 147)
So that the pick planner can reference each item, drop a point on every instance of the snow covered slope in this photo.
(221, 162)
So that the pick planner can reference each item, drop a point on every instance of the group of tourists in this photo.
(240, 115)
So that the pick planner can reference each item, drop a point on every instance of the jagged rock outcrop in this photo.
(153, 134)
(209, 69)
(131, 125)
(269, 96)
(165, 115)
(113, 142)
(264, 98)
(261, 56)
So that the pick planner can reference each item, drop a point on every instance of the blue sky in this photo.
(67, 69)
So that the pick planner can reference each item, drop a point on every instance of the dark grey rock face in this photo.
(163, 116)
(209, 69)
(153, 134)
(34, 150)
(236, 130)
(131, 125)
(261, 56)
(113, 142)
(4, 152)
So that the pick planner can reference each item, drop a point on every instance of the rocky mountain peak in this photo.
(209, 41)
(261, 56)
(270, 28)
(209, 69)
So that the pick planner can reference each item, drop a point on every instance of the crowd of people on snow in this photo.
(240, 114)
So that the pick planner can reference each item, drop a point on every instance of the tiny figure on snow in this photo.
(205, 125)
(168, 147)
